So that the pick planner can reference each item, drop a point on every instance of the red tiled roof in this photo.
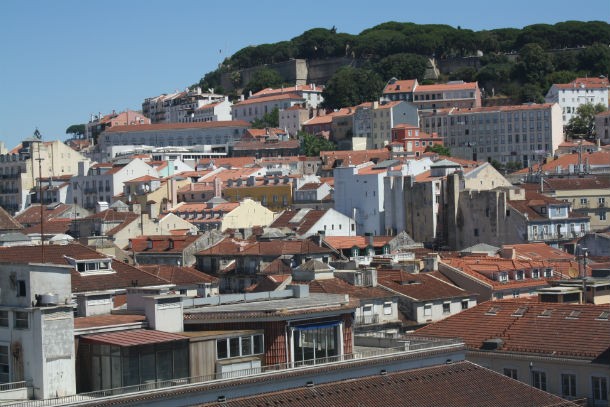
(124, 276)
(237, 162)
(445, 87)
(179, 274)
(565, 330)
(422, 286)
(337, 286)
(584, 83)
(51, 226)
(539, 251)
(31, 215)
(134, 337)
(142, 179)
(177, 126)
(305, 223)
(161, 243)
(451, 385)
(596, 158)
(347, 242)
(563, 184)
(271, 98)
(329, 158)
(7, 222)
(484, 268)
(288, 89)
(407, 85)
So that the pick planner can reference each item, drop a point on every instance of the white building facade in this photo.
(570, 96)
(520, 133)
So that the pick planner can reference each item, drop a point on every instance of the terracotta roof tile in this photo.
(347, 242)
(557, 334)
(124, 275)
(452, 385)
(179, 274)
(421, 286)
(305, 222)
(7, 222)
(177, 126)
(337, 286)
(271, 98)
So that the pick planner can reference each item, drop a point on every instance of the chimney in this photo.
(508, 252)
(217, 187)
(375, 105)
(321, 235)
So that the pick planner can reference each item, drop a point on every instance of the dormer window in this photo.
(519, 275)
(94, 266)
(548, 272)
(171, 244)
(535, 273)
(502, 277)
(149, 244)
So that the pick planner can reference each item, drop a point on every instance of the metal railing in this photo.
(417, 345)
(367, 319)
(13, 386)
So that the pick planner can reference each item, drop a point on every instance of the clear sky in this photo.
(63, 60)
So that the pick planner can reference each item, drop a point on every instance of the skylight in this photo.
(493, 311)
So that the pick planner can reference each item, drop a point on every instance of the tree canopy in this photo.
(582, 124)
(271, 119)
(517, 63)
(351, 86)
(311, 145)
(76, 130)
(263, 78)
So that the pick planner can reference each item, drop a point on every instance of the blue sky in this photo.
(63, 60)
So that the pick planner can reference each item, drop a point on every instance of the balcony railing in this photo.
(367, 319)
(417, 346)
(12, 386)
(554, 236)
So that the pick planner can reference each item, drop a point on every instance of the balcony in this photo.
(367, 320)
(405, 348)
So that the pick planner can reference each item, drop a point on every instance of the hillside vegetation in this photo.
(518, 63)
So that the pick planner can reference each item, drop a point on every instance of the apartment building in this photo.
(98, 124)
(506, 134)
(452, 94)
(20, 169)
(102, 181)
(219, 135)
(412, 140)
(570, 96)
(182, 107)
(373, 122)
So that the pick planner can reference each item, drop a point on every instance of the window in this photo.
(446, 307)
(3, 318)
(539, 380)
(602, 216)
(599, 386)
(387, 308)
(568, 385)
(464, 304)
(428, 310)
(583, 201)
(239, 346)
(21, 288)
(512, 373)
(4, 366)
(21, 320)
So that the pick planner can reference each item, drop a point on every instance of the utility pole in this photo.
(39, 159)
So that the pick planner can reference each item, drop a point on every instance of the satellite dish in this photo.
(572, 272)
